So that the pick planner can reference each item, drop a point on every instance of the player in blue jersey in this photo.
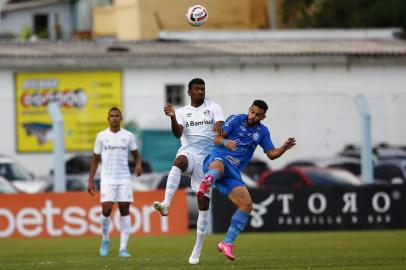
(231, 154)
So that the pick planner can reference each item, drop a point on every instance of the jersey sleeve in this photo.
(98, 145)
(230, 123)
(179, 117)
(217, 113)
(133, 145)
(266, 141)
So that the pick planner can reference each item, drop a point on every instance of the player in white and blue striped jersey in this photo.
(111, 148)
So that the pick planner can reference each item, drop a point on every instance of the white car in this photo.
(7, 187)
(20, 177)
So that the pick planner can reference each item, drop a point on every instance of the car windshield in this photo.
(13, 172)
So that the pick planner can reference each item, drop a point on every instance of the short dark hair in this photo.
(195, 81)
(114, 109)
(260, 104)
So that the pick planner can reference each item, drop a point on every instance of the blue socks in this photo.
(237, 225)
(215, 173)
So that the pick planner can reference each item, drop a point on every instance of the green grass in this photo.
(299, 250)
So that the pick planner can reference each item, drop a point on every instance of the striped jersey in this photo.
(114, 149)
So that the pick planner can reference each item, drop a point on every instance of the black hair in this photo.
(114, 109)
(260, 104)
(195, 81)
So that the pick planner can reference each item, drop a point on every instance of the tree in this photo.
(344, 13)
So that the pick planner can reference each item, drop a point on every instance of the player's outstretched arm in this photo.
(93, 167)
(277, 152)
(177, 129)
(138, 170)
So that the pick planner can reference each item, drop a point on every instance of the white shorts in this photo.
(122, 192)
(194, 170)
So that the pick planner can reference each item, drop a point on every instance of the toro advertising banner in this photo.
(78, 214)
(335, 208)
(84, 99)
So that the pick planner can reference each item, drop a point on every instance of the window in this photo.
(41, 25)
(175, 94)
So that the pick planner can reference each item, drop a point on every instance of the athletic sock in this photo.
(201, 230)
(212, 173)
(125, 226)
(237, 225)
(105, 222)
(172, 185)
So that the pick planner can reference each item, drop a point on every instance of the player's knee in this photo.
(246, 207)
(181, 162)
(124, 210)
(106, 211)
(203, 203)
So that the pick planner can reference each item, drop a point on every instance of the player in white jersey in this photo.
(111, 148)
(196, 125)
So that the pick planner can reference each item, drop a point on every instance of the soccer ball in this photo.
(196, 15)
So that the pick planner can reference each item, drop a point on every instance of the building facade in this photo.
(309, 84)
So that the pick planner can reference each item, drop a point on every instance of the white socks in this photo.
(202, 226)
(105, 222)
(172, 185)
(125, 227)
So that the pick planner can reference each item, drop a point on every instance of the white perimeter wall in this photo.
(315, 105)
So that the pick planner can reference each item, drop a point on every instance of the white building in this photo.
(309, 81)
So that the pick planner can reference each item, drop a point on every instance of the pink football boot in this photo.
(227, 250)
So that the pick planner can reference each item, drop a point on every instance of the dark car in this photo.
(379, 153)
(350, 164)
(391, 171)
(255, 168)
(307, 177)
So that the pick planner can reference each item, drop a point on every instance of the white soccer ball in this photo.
(196, 15)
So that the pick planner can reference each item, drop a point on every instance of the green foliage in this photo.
(25, 33)
(380, 249)
(344, 13)
(43, 34)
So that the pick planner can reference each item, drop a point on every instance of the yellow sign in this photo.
(84, 99)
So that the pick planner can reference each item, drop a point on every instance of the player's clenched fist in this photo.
(169, 110)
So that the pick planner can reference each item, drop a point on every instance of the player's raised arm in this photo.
(277, 152)
(93, 168)
(177, 129)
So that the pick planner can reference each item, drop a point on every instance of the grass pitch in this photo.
(299, 250)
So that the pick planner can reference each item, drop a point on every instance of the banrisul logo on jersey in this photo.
(199, 123)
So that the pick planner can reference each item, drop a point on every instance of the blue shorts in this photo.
(231, 177)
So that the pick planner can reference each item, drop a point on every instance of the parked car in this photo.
(379, 152)
(80, 163)
(391, 171)
(7, 187)
(21, 178)
(350, 164)
(73, 184)
(307, 177)
(255, 168)
(77, 172)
